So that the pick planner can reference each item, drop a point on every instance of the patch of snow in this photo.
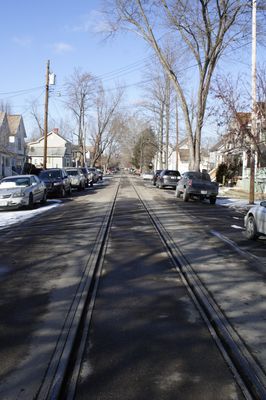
(234, 203)
(237, 227)
(8, 218)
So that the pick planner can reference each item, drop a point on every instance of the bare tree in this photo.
(202, 27)
(107, 121)
(5, 106)
(80, 91)
(234, 114)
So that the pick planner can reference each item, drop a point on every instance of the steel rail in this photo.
(249, 375)
(55, 378)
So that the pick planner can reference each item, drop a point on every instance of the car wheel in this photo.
(44, 199)
(63, 192)
(31, 203)
(212, 200)
(177, 193)
(251, 228)
(185, 196)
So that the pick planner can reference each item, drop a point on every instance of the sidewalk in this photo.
(239, 193)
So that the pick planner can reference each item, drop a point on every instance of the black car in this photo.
(168, 177)
(57, 181)
(155, 176)
(88, 175)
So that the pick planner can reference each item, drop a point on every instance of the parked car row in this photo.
(26, 190)
(189, 185)
(198, 185)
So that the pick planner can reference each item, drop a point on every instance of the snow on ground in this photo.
(235, 203)
(11, 217)
(8, 218)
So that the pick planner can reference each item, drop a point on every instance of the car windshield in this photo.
(199, 175)
(50, 175)
(18, 181)
(172, 173)
(72, 172)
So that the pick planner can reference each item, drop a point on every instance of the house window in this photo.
(19, 144)
(11, 139)
(7, 162)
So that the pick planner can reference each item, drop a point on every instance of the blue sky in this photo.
(63, 31)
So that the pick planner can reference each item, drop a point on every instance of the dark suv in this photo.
(168, 177)
(57, 181)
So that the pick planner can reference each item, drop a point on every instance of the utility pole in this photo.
(253, 105)
(46, 114)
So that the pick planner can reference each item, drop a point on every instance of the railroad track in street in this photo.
(63, 372)
(249, 374)
(69, 342)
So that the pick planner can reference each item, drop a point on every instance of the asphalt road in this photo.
(41, 262)
(147, 340)
(157, 342)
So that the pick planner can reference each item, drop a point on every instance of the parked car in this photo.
(57, 181)
(255, 221)
(21, 190)
(155, 176)
(197, 184)
(167, 177)
(88, 176)
(77, 178)
(100, 173)
(146, 176)
(95, 173)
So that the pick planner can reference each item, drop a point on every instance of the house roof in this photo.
(13, 123)
(54, 131)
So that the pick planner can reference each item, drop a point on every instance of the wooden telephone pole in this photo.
(46, 114)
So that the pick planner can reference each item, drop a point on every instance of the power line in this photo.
(20, 92)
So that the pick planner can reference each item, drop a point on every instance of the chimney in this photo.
(56, 130)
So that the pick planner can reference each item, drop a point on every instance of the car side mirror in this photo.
(263, 203)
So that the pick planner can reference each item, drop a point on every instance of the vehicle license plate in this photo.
(173, 177)
(3, 203)
(203, 191)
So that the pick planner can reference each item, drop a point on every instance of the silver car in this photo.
(21, 190)
(77, 178)
(255, 221)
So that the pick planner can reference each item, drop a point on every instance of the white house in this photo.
(59, 151)
(182, 155)
(12, 144)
